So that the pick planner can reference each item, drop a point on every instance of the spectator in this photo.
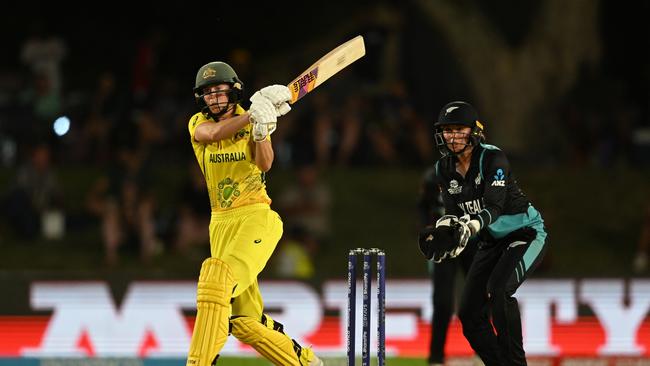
(295, 255)
(306, 203)
(401, 136)
(643, 250)
(169, 113)
(106, 109)
(43, 53)
(125, 205)
(326, 133)
(43, 104)
(145, 65)
(35, 202)
(192, 227)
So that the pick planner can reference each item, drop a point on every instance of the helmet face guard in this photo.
(460, 114)
(234, 96)
(215, 73)
(443, 145)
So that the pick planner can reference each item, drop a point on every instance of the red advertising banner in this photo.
(151, 321)
(582, 338)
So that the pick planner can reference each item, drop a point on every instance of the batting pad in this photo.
(270, 341)
(214, 290)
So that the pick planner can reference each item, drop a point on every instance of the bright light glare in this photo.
(61, 125)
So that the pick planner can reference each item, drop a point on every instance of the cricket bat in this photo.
(328, 65)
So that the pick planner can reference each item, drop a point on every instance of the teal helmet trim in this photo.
(215, 73)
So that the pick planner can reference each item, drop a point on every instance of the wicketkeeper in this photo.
(481, 198)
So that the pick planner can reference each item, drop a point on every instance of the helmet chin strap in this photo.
(207, 111)
(469, 145)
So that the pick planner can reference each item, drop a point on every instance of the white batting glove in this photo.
(262, 130)
(262, 111)
(276, 93)
(283, 109)
(279, 95)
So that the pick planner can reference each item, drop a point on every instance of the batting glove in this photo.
(262, 111)
(262, 130)
(279, 95)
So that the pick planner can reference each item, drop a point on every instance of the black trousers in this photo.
(498, 269)
(443, 278)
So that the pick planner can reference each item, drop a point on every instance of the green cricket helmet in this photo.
(215, 73)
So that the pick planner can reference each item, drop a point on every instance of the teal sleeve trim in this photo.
(506, 224)
(488, 219)
(480, 165)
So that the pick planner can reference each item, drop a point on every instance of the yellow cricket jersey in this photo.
(229, 168)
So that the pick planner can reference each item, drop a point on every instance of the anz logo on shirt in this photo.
(499, 179)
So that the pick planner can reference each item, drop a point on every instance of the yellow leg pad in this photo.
(269, 341)
(214, 291)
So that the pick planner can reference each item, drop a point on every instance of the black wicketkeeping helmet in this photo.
(458, 113)
(214, 73)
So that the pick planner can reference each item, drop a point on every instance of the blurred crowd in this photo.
(125, 127)
(124, 130)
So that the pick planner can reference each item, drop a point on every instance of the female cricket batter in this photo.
(476, 183)
(233, 149)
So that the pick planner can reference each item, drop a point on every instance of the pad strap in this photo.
(268, 339)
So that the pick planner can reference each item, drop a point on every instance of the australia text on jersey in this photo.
(227, 157)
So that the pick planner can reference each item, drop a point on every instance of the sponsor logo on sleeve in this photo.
(499, 179)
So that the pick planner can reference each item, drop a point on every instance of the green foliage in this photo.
(593, 218)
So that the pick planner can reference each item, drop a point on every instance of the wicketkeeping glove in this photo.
(436, 242)
(447, 240)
